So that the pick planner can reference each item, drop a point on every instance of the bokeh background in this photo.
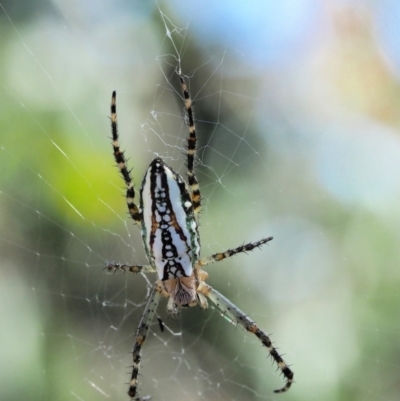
(297, 107)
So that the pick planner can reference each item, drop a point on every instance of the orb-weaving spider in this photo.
(168, 217)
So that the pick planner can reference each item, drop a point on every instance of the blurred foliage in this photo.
(298, 138)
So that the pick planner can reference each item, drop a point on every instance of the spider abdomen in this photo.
(169, 229)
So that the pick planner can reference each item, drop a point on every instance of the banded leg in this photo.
(114, 267)
(134, 211)
(217, 257)
(234, 313)
(191, 151)
(141, 334)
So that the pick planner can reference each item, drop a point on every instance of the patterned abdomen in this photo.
(169, 228)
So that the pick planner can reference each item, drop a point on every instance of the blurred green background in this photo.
(297, 107)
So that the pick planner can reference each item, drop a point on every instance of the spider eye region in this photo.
(169, 231)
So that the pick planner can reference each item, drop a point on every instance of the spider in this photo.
(168, 216)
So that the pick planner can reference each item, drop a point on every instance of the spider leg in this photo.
(134, 210)
(234, 313)
(114, 267)
(141, 334)
(217, 257)
(191, 151)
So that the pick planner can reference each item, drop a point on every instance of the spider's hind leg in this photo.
(120, 159)
(191, 150)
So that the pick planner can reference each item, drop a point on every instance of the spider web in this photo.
(298, 137)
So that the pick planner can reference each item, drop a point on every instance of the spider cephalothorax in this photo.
(168, 217)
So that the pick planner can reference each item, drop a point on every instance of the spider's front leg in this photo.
(234, 313)
(141, 334)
